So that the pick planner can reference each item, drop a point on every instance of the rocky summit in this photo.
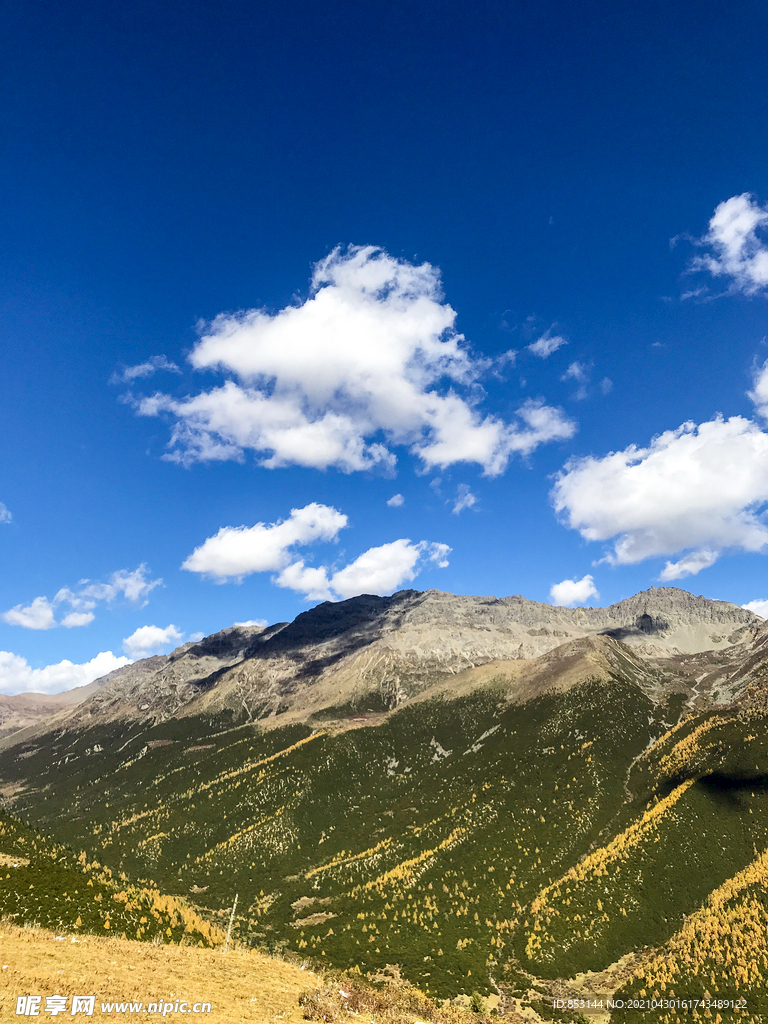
(375, 653)
(479, 795)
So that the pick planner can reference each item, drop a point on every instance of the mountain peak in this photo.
(394, 648)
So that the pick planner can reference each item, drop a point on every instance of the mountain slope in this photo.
(376, 653)
(420, 794)
(26, 710)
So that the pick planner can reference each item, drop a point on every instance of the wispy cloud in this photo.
(128, 374)
(577, 371)
(694, 293)
(396, 501)
(547, 344)
(134, 586)
(464, 499)
(5, 515)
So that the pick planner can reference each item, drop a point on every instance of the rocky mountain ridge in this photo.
(375, 653)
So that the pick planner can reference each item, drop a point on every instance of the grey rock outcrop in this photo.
(374, 653)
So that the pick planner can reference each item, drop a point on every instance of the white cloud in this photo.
(249, 622)
(16, 675)
(134, 586)
(759, 392)
(308, 580)
(547, 344)
(195, 637)
(141, 370)
(736, 250)
(464, 499)
(37, 615)
(396, 501)
(383, 569)
(77, 619)
(689, 565)
(237, 551)
(571, 592)
(5, 515)
(379, 570)
(606, 385)
(372, 351)
(508, 358)
(759, 607)
(696, 490)
(576, 371)
(148, 640)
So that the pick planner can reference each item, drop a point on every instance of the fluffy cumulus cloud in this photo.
(759, 392)
(738, 246)
(133, 585)
(39, 614)
(694, 492)
(5, 515)
(379, 570)
(370, 361)
(396, 501)
(77, 619)
(17, 676)
(235, 552)
(147, 640)
(571, 592)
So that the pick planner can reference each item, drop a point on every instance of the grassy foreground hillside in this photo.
(130, 979)
(241, 986)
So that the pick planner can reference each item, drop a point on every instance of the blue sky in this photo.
(259, 258)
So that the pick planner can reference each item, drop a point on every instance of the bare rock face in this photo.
(169, 682)
(374, 653)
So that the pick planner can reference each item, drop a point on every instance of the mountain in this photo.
(377, 653)
(27, 709)
(479, 793)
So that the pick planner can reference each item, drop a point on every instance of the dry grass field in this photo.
(241, 986)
